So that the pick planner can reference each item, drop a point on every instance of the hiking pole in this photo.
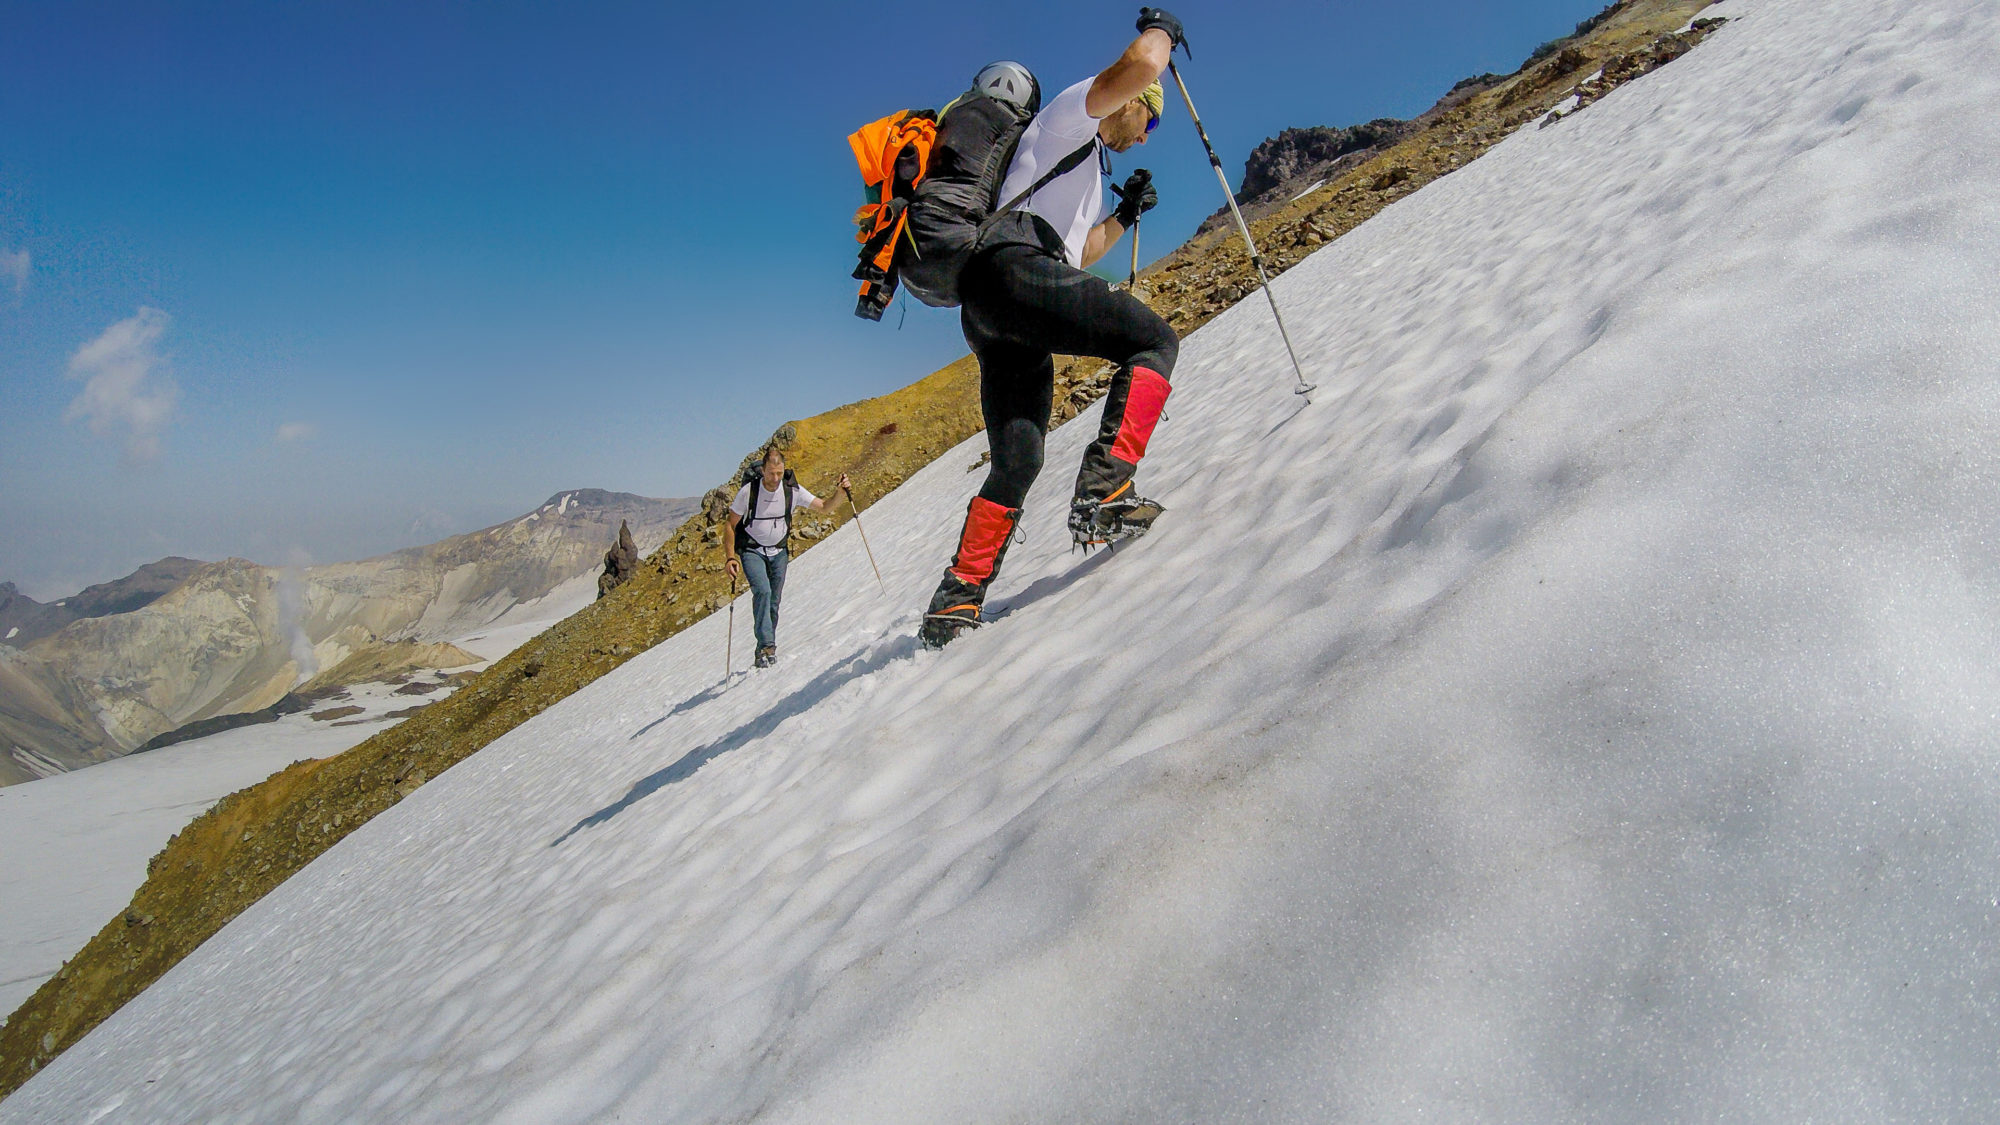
(1132, 282)
(1257, 260)
(856, 509)
(729, 645)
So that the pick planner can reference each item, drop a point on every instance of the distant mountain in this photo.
(136, 590)
(23, 620)
(234, 636)
(46, 720)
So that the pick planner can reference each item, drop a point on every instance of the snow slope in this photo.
(74, 846)
(1585, 711)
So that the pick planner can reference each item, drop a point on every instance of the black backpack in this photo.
(755, 479)
(956, 205)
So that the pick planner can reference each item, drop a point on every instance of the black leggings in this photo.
(1022, 306)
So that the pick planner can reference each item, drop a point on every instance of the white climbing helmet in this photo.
(1010, 82)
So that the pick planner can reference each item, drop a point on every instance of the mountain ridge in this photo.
(234, 636)
(23, 620)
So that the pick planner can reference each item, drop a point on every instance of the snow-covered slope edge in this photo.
(1585, 712)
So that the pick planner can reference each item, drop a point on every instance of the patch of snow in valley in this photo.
(1587, 709)
(74, 846)
(527, 620)
(54, 895)
(41, 765)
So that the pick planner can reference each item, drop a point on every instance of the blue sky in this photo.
(307, 282)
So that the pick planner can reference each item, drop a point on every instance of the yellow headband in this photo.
(1155, 97)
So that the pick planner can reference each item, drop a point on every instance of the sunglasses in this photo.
(1152, 122)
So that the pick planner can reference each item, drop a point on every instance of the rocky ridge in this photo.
(255, 839)
(1295, 154)
(23, 620)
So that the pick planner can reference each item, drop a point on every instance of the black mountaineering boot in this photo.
(942, 626)
(1100, 523)
(981, 547)
(953, 610)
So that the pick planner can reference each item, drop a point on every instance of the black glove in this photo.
(1135, 199)
(1150, 18)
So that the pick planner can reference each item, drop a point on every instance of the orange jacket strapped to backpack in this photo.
(892, 154)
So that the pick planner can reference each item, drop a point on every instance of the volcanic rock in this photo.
(619, 562)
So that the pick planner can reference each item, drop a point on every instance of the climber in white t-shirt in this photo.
(757, 544)
(1025, 298)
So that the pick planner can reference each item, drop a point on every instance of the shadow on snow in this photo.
(844, 672)
(1051, 584)
(863, 662)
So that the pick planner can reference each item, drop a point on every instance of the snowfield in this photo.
(76, 844)
(1588, 709)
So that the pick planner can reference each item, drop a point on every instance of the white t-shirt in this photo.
(1074, 201)
(767, 527)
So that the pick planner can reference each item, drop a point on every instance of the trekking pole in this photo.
(729, 645)
(1257, 260)
(1132, 282)
(856, 509)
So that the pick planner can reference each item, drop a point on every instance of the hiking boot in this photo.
(954, 608)
(943, 626)
(1100, 523)
(767, 656)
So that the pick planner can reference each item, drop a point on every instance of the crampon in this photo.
(941, 628)
(1094, 523)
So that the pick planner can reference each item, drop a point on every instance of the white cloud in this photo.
(297, 431)
(125, 392)
(14, 266)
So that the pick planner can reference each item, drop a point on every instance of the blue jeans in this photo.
(766, 575)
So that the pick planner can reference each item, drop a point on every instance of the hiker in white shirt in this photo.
(758, 543)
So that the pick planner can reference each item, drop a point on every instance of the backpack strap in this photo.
(790, 482)
(1063, 167)
(743, 540)
(877, 260)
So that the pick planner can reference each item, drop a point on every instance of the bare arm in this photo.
(1102, 238)
(1139, 67)
(822, 503)
(730, 562)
